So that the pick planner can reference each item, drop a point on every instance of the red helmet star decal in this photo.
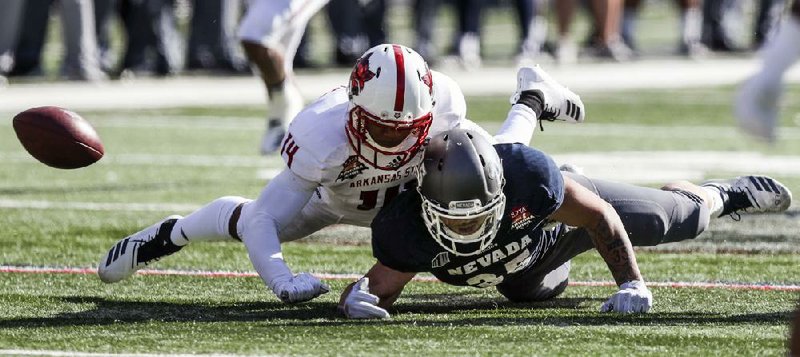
(360, 75)
(427, 78)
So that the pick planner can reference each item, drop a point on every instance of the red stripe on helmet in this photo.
(399, 97)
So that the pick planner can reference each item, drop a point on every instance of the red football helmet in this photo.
(391, 99)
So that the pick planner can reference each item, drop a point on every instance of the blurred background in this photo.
(109, 39)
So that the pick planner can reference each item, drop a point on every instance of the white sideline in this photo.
(214, 91)
(12, 269)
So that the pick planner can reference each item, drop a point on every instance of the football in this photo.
(58, 137)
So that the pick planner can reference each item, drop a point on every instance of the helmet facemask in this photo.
(370, 148)
(461, 185)
(436, 217)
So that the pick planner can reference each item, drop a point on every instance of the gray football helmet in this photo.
(461, 184)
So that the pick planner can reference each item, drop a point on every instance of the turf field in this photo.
(174, 160)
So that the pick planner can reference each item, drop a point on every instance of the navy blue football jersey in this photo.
(534, 189)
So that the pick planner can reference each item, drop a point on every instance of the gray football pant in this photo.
(651, 217)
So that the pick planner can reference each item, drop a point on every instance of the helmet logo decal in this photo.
(440, 260)
(351, 168)
(399, 97)
(428, 80)
(521, 217)
(361, 75)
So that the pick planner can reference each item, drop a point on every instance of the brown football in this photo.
(58, 137)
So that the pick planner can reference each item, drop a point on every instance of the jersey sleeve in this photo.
(316, 136)
(534, 175)
(398, 235)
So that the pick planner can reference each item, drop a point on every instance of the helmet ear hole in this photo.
(483, 162)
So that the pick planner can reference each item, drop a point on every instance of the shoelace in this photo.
(738, 200)
(157, 247)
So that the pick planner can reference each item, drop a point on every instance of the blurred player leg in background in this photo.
(720, 20)
(466, 46)
(567, 51)
(357, 25)
(81, 58)
(756, 105)
(9, 30)
(533, 30)
(32, 32)
(767, 17)
(607, 19)
(104, 11)
(630, 19)
(270, 33)
(154, 45)
(469, 41)
(425, 12)
(691, 28)
(212, 38)
(345, 18)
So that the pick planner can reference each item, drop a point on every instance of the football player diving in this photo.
(346, 154)
(504, 215)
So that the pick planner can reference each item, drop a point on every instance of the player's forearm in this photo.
(264, 250)
(611, 241)
(387, 284)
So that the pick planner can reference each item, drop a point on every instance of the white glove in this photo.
(360, 304)
(299, 288)
(632, 296)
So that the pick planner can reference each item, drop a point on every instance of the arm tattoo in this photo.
(611, 241)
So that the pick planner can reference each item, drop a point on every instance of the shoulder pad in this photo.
(316, 138)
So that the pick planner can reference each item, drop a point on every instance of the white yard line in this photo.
(97, 206)
(624, 166)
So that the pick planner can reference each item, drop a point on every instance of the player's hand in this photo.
(360, 304)
(632, 297)
(301, 287)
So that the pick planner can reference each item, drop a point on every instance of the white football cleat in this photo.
(756, 107)
(136, 251)
(271, 141)
(752, 194)
(560, 103)
(283, 107)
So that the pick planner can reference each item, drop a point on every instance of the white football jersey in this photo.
(316, 148)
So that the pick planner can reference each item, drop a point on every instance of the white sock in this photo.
(276, 103)
(691, 25)
(207, 224)
(782, 50)
(716, 200)
(519, 125)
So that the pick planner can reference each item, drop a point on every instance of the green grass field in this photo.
(187, 157)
